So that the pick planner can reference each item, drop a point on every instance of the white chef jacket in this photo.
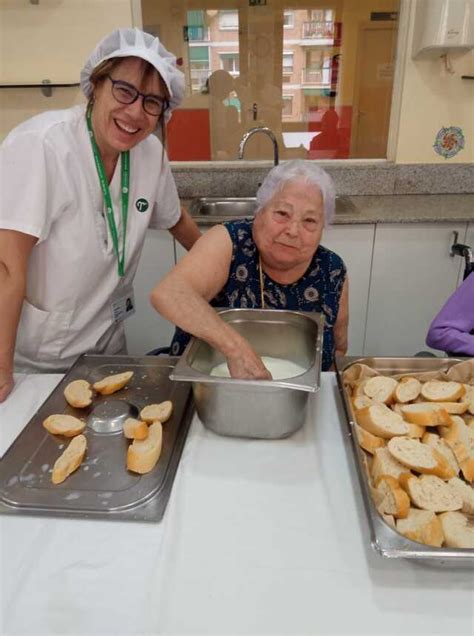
(50, 189)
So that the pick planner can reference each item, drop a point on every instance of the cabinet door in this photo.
(146, 329)
(354, 245)
(412, 276)
(179, 250)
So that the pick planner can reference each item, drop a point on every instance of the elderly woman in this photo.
(273, 261)
(80, 188)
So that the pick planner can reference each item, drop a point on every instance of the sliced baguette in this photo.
(415, 430)
(66, 425)
(458, 530)
(112, 383)
(367, 441)
(157, 412)
(385, 464)
(395, 501)
(419, 457)
(429, 492)
(142, 455)
(440, 391)
(422, 526)
(407, 390)
(70, 460)
(380, 389)
(434, 440)
(379, 420)
(135, 429)
(426, 414)
(78, 394)
(360, 401)
(458, 437)
(469, 397)
(466, 493)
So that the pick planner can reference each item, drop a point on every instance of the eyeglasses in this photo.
(127, 94)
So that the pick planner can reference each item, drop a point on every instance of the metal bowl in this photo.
(264, 409)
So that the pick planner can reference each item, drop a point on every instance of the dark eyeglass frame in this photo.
(145, 98)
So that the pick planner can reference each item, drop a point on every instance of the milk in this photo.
(279, 368)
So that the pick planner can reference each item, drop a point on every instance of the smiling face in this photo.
(287, 231)
(119, 127)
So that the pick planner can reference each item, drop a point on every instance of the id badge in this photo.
(123, 307)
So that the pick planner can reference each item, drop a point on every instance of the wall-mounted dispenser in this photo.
(442, 26)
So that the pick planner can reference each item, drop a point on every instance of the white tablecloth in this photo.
(259, 538)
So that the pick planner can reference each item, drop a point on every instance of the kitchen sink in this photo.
(211, 210)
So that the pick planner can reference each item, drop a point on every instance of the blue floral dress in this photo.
(319, 289)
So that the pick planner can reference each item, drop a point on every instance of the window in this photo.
(199, 67)
(288, 19)
(229, 20)
(287, 63)
(287, 109)
(230, 62)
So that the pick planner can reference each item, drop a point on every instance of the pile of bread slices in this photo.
(418, 439)
(146, 433)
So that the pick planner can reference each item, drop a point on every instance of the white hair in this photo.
(299, 169)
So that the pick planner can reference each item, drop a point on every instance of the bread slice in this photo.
(419, 457)
(407, 390)
(458, 437)
(395, 501)
(360, 401)
(157, 412)
(66, 425)
(415, 430)
(469, 397)
(425, 414)
(367, 441)
(113, 383)
(135, 429)
(380, 388)
(70, 460)
(142, 455)
(466, 493)
(429, 492)
(434, 440)
(78, 394)
(385, 464)
(458, 530)
(379, 420)
(422, 526)
(440, 391)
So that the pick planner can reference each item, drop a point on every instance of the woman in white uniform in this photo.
(79, 189)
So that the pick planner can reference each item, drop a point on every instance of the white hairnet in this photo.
(136, 43)
(305, 170)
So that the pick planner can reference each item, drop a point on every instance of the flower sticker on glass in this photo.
(449, 141)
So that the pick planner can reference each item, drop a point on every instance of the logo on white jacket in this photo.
(142, 205)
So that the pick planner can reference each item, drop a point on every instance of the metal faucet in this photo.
(252, 131)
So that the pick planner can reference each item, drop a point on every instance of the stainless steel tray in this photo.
(102, 487)
(384, 539)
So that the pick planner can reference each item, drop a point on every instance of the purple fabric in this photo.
(453, 328)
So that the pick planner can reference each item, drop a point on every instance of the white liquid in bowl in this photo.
(279, 368)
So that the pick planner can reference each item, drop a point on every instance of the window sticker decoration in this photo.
(449, 141)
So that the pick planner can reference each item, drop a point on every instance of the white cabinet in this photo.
(146, 329)
(354, 244)
(412, 276)
(467, 239)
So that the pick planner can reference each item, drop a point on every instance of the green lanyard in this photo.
(125, 180)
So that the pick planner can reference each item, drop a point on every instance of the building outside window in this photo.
(288, 19)
(287, 109)
(230, 63)
(228, 20)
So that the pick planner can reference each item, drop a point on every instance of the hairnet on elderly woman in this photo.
(274, 261)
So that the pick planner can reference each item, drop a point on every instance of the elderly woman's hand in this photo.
(247, 365)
